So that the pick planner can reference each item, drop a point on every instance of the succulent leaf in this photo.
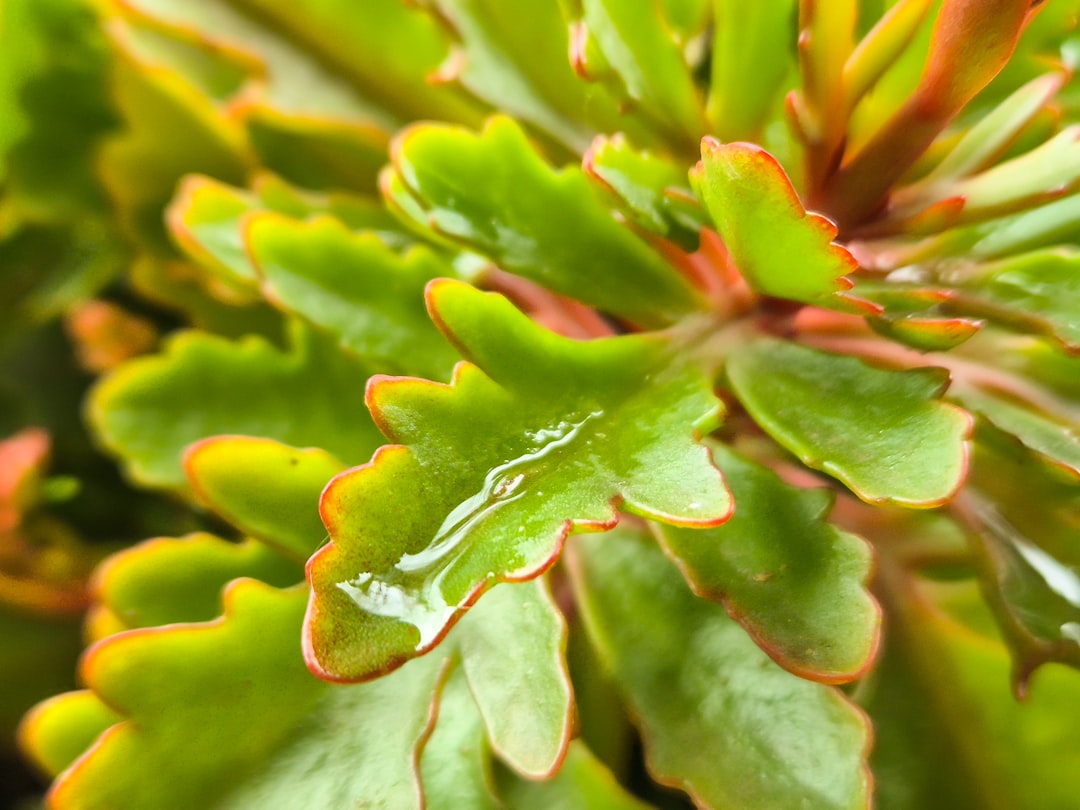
(557, 433)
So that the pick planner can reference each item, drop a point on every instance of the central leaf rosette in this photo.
(537, 436)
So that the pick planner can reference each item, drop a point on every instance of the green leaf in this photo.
(582, 783)
(381, 46)
(512, 54)
(780, 248)
(168, 580)
(248, 388)
(748, 67)
(512, 659)
(54, 108)
(640, 56)
(652, 192)
(978, 749)
(1021, 525)
(206, 219)
(542, 436)
(884, 434)
(795, 582)
(455, 766)
(1037, 292)
(356, 287)
(264, 488)
(215, 720)
(1051, 438)
(225, 714)
(718, 718)
(54, 733)
(559, 235)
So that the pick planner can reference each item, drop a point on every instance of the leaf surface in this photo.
(559, 235)
(782, 249)
(979, 749)
(724, 723)
(356, 287)
(542, 436)
(582, 783)
(794, 581)
(247, 388)
(884, 434)
(265, 489)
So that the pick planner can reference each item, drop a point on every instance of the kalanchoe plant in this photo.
(585, 404)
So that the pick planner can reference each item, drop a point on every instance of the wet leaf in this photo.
(560, 235)
(542, 436)
(725, 723)
(779, 247)
(795, 582)
(248, 388)
(884, 434)
(356, 287)
(264, 488)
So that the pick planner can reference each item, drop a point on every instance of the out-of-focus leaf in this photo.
(1037, 292)
(168, 580)
(37, 658)
(513, 55)
(955, 71)
(205, 219)
(383, 47)
(542, 436)
(795, 582)
(264, 488)
(724, 723)
(652, 192)
(58, 730)
(880, 48)
(884, 434)
(559, 235)
(640, 57)
(582, 783)
(311, 395)
(979, 749)
(1050, 170)
(1055, 441)
(356, 287)
(171, 130)
(779, 247)
(749, 65)
(54, 107)
(1022, 525)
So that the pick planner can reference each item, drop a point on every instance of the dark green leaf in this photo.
(718, 718)
(884, 434)
(795, 582)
